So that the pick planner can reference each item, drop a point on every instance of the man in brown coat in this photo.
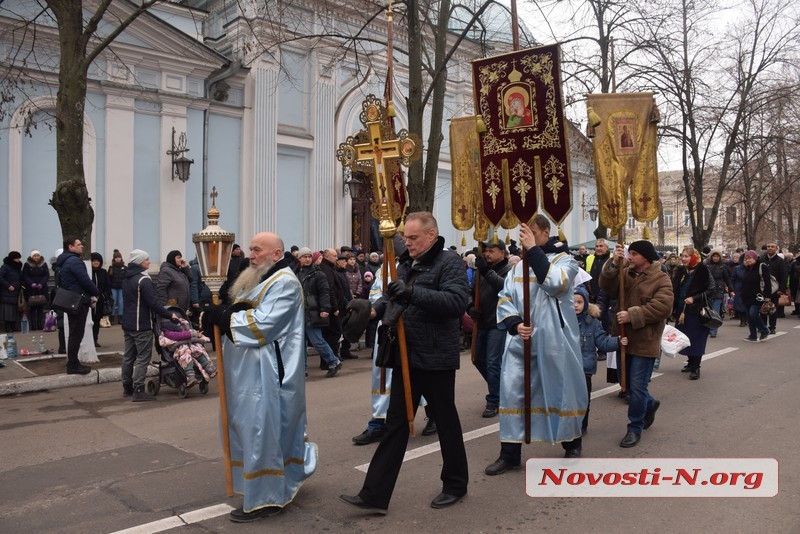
(648, 303)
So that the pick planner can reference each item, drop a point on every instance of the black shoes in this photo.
(443, 500)
(753, 339)
(630, 440)
(368, 436)
(500, 466)
(347, 355)
(333, 370)
(140, 395)
(650, 414)
(240, 516)
(79, 370)
(490, 411)
(772, 331)
(763, 336)
(694, 374)
(686, 368)
(430, 428)
(573, 453)
(127, 391)
(358, 502)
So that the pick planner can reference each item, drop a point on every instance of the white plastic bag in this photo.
(673, 341)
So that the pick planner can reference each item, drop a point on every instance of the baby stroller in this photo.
(170, 371)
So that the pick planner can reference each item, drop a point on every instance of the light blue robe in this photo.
(558, 386)
(270, 452)
(380, 402)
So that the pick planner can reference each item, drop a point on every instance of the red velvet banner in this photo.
(524, 151)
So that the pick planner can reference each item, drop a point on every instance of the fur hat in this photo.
(138, 256)
(645, 248)
(35, 252)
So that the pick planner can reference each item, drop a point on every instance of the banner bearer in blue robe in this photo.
(558, 388)
(264, 358)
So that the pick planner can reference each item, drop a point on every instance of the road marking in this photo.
(193, 516)
(469, 436)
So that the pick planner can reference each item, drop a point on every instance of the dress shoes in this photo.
(630, 440)
(650, 414)
(240, 516)
(347, 355)
(490, 411)
(694, 374)
(772, 331)
(443, 500)
(686, 368)
(79, 370)
(430, 428)
(500, 466)
(763, 336)
(573, 453)
(368, 436)
(358, 502)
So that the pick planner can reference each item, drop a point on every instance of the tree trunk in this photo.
(71, 198)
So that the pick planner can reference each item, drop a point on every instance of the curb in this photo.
(44, 383)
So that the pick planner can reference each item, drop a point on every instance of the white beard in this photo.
(249, 279)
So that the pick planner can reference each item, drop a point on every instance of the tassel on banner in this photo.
(561, 236)
(594, 122)
(480, 125)
(646, 233)
(463, 240)
(508, 239)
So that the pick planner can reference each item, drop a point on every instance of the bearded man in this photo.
(264, 363)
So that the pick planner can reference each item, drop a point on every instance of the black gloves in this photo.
(474, 314)
(392, 313)
(482, 265)
(400, 292)
(221, 316)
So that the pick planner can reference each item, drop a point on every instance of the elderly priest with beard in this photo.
(264, 359)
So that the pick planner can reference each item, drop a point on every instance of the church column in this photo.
(264, 148)
(325, 191)
(119, 172)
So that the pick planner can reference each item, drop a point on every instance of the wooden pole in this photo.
(388, 245)
(526, 345)
(384, 287)
(476, 299)
(621, 327)
(223, 406)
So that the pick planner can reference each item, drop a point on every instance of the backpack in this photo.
(773, 282)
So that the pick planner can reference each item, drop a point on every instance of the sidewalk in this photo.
(38, 372)
(41, 372)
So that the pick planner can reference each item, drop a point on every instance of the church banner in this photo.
(524, 151)
(625, 156)
(466, 171)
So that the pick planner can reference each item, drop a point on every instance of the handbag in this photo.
(36, 301)
(108, 305)
(709, 316)
(388, 347)
(67, 301)
(784, 300)
(105, 322)
(767, 307)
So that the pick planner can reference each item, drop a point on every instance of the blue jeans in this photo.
(716, 304)
(755, 320)
(325, 352)
(639, 371)
(116, 294)
(488, 357)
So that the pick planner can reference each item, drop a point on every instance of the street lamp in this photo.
(354, 183)
(214, 246)
(180, 163)
(589, 208)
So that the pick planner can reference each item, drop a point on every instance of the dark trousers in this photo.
(439, 390)
(333, 332)
(512, 452)
(77, 325)
(585, 423)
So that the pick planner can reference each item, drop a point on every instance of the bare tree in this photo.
(711, 85)
(80, 42)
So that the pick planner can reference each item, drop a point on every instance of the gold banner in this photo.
(625, 156)
(466, 171)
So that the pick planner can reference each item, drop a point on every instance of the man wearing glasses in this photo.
(72, 276)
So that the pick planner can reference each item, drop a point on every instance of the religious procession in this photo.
(549, 325)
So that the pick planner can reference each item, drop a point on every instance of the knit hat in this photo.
(138, 256)
(751, 254)
(368, 276)
(645, 248)
(305, 251)
(315, 256)
(35, 253)
(117, 254)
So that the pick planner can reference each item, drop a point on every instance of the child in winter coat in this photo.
(592, 339)
(186, 346)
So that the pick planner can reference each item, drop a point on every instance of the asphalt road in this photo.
(83, 460)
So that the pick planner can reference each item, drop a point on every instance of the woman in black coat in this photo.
(35, 275)
(103, 283)
(693, 286)
(10, 286)
(755, 278)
